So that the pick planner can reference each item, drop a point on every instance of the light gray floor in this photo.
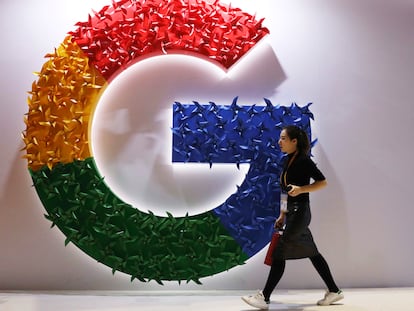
(390, 299)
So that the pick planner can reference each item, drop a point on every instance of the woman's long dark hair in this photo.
(295, 132)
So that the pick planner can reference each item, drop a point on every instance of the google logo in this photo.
(61, 161)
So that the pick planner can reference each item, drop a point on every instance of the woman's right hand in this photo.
(280, 221)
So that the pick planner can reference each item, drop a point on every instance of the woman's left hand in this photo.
(294, 191)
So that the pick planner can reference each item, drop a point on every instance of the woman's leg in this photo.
(275, 274)
(322, 267)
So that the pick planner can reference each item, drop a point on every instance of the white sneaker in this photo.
(330, 298)
(257, 301)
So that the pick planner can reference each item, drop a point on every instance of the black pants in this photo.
(278, 267)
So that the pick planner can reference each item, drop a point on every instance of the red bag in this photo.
(275, 238)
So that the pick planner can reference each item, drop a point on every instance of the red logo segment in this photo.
(119, 34)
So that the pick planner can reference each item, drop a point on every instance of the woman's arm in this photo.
(296, 190)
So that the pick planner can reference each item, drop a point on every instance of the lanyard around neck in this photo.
(284, 175)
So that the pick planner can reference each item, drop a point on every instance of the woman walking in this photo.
(297, 241)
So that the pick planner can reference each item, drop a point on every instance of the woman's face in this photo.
(286, 144)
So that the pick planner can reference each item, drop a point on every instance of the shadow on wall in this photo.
(23, 229)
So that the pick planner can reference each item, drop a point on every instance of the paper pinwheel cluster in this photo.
(232, 133)
(143, 245)
(60, 108)
(118, 34)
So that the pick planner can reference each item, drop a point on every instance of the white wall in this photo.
(352, 59)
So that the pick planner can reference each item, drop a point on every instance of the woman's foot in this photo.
(257, 300)
(330, 298)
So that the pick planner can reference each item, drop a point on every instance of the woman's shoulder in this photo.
(305, 160)
(304, 157)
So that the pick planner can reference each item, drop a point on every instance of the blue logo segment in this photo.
(240, 134)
